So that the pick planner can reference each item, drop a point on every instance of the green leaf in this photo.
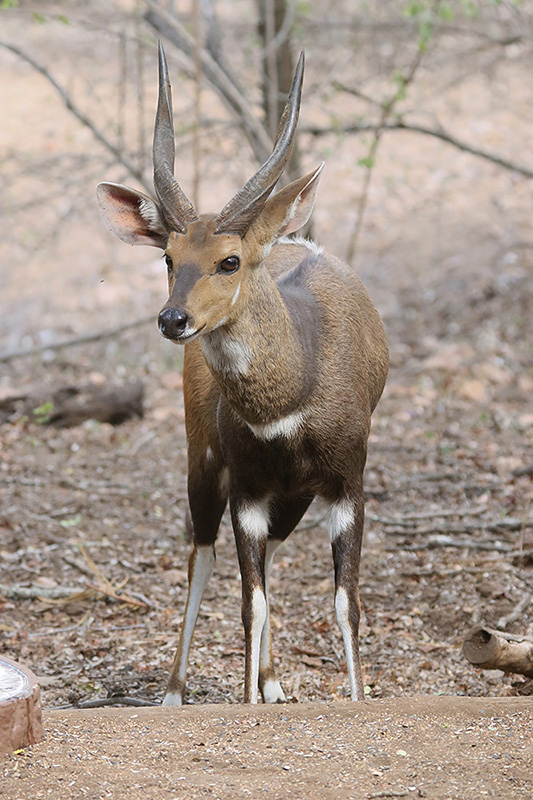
(367, 162)
(40, 18)
(43, 413)
(9, 4)
(401, 86)
(413, 9)
(71, 522)
(446, 12)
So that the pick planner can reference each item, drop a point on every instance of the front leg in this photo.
(250, 523)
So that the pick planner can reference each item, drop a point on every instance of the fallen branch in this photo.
(491, 525)
(527, 469)
(112, 700)
(86, 339)
(18, 592)
(72, 405)
(467, 544)
(490, 649)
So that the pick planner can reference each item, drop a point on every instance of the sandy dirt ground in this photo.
(441, 748)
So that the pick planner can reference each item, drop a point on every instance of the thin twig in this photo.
(112, 700)
(387, 110)
(18, 592)
(217, 76)
(90, 337)
(492, 525)
(408, 520)
(83, 118)
(516, 613)
(437, 133)
(466, 544)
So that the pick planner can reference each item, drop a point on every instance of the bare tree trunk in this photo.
(275, 32)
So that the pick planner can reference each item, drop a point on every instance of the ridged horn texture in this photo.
(237, 215)
(176, 206)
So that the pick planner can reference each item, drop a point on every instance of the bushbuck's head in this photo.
(211, 259)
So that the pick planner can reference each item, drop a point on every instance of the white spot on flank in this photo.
(254, 518)
(226, 354)
(236, 295)
(341, 518)
(209, 453)
(315, 248)
(286, 426)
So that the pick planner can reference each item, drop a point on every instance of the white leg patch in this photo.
(259, 614)
(286, 427)
(341, 518)
(342, 612)
(172, 699)
(254, 518)
(264, 657)
(273, 693)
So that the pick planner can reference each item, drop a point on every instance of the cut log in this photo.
(489, 649)
(20, 707)
(72, 405)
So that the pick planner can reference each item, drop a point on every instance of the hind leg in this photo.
(346, 533)
(285, 516)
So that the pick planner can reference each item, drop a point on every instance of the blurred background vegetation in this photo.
(420, 109)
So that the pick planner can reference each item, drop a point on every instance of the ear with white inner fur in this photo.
(288, 210)
(131, 215)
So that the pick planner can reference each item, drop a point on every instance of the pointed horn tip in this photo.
(297, 81)
(163, 66)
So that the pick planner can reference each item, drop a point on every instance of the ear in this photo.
(288, 210)
(132, 216)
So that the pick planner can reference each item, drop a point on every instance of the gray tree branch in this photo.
(83, 118)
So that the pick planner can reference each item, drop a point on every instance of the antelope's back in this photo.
(351, 338)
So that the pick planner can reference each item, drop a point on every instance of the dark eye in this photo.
(168, 262)
(229, 265)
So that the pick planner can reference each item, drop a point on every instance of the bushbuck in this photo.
(285, 360)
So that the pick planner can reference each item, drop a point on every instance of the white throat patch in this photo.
(224, 353)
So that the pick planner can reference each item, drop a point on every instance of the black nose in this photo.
(172, 322)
